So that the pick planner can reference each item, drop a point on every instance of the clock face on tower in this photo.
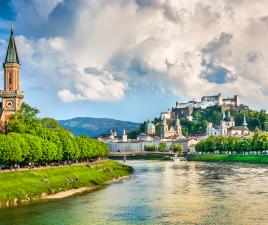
(9, 104)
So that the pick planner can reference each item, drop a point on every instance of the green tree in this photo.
(149, 148)
(177, 148)
(162, 146)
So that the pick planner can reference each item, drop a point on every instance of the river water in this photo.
(161, 193)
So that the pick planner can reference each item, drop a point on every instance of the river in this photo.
(161, 193)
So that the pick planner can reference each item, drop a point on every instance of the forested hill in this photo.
(255, 120)
(95, 127)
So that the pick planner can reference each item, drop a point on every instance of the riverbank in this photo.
(142, 156)
(254, 159)
(22, 186)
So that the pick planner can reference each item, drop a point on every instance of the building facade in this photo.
(11, 96)
(227, 127)
(171, 132)
(185, 110)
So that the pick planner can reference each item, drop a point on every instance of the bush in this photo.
(149, 148)
(162, 146)
(176, 148)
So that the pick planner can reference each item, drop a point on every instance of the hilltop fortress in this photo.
(185, 110)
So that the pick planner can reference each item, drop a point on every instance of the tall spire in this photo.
(12, 54)
(177, 120)
(245, 124)
(223, 115)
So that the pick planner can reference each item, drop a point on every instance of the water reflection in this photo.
(162, 193)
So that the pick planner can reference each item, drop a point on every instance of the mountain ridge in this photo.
(95, 127)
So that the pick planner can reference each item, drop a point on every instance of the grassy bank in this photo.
(255, 159)
(17, 187)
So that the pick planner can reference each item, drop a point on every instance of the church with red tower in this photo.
(11, 95)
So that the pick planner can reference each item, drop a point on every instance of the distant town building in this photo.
(227, 127)
(124, 137)
(172, 132)
(149, 127)
(185, 110)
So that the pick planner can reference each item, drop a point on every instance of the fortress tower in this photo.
(11, 95)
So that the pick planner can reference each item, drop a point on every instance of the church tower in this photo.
(11, 95)
(178, 126)
(164, 128)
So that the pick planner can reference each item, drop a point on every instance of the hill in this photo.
(95, 127)
(256, 120)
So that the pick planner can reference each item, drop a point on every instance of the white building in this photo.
(227, 127)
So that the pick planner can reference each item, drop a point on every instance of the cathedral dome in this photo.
(149, 125)
(229, 118)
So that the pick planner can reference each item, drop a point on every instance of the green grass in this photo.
(254, 159)
(30, 184)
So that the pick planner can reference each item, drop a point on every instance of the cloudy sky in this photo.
(132, 59)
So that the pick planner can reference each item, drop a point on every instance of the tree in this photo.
(162, 146)
(149, 148)
(50, 123)
(50, 151)
(35, 153)
(69, 146)
(177, 148)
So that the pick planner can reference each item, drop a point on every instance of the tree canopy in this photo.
(34, 140)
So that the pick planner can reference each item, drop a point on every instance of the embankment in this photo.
(23, 186)
(254, 159)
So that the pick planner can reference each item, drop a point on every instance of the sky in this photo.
(132, 59)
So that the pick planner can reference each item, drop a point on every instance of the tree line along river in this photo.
(161, 193)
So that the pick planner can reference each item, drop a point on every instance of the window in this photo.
(10, 78)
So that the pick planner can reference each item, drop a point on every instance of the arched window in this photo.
(10, 78)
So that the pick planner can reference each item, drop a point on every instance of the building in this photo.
(113, 135)
(149, 128)
(124, 136)
(227, 127)
(171, 132)
(11, 96)
(185, 110)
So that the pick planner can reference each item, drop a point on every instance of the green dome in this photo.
(149, 125)
(229, 118)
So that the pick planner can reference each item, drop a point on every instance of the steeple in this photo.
(12, 54)
(177, 120)
(245, 124)
(223, 115)
(12, 96)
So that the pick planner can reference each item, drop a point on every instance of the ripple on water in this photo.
(162, 193)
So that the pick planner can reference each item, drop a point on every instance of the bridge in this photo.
(132, 155)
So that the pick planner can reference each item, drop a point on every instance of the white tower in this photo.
(164, 128)
(245, 124)
(178, 126)
(124, 137)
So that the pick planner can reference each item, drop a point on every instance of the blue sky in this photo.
(132, 59)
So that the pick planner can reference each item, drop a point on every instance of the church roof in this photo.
(149, 125)
(229, 118)
(239, 128)
(12, 54)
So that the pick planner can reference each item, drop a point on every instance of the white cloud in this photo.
(159, 43)
(66, 95)
(101, 87)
